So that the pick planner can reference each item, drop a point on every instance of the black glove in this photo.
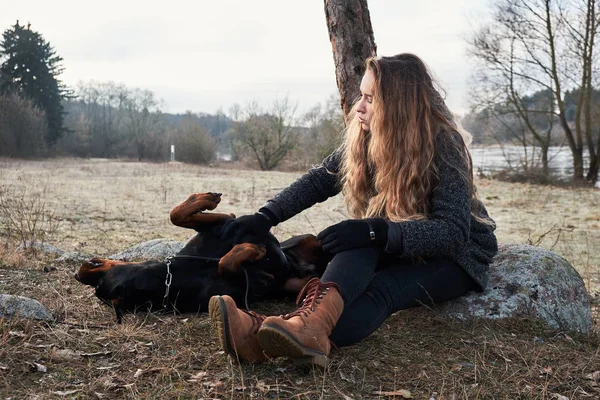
(257, 225)
(354, 233)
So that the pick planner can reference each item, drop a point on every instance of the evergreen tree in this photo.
(30, 67)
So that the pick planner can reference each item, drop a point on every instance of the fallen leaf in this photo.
(35, 367)
(558, 396)
(108, 367)
(547, 371)
(213, 384)
(66, 392)
(347, 378)
(39, 346)
(141, 372)
(16, 333)
(65, 354)
(98, 353)
(198, 376)
(260, 385)
(594, 376)
(404, 393)
(107, 382)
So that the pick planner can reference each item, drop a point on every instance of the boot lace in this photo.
(310, 295)
(257, 320)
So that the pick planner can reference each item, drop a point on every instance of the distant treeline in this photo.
(500, 124)
(108, 120)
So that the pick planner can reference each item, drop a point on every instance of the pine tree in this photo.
(30, 67)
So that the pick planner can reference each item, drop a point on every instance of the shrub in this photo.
(22, 127)
(193, 143)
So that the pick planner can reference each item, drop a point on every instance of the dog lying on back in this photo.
(207, 265)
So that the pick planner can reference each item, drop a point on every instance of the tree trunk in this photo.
(545, 162)
(592, 174)
(352, 42)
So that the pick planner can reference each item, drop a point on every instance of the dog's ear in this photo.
(306, 254)
(92, 272)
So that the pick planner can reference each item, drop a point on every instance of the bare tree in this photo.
(352, 42)
(96, 119)
(324, 125)
(533, 46)
(142, 123)
(581, 19)
(268, 136)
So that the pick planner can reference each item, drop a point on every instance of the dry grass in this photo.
(105, 206)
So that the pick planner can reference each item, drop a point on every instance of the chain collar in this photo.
(168, 280)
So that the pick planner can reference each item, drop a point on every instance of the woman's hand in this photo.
(354, 233)
(257, 224)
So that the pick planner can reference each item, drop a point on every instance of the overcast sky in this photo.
(208, 54)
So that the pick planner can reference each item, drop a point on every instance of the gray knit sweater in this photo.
(450, 229)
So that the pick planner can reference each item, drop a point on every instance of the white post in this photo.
(172, 152)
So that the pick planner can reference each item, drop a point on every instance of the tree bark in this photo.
(352, 42)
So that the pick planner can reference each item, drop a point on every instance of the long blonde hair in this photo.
(389, 171)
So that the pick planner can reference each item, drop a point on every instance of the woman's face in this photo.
(364, 109)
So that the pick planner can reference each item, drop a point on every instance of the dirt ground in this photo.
(104, 206)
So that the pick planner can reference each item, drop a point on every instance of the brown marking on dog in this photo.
(92, 271)
(240, 253)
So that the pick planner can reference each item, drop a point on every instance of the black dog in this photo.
(208, 265)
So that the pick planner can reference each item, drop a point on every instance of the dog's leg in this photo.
(189, 213)
(118, 311)
(230, 262)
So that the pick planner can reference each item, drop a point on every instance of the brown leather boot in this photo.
(304, 334)
(236, 329)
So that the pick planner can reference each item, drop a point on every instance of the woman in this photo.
(419, 234)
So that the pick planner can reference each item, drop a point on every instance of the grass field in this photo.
(104, 206)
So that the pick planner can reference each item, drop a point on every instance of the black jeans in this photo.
(375, 285)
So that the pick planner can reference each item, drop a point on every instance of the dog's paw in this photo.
(230, 262)
(204, 201)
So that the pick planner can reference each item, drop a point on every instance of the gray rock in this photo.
(74, 257)
(24, 307)
(42, 247)
(152, 249)
(527, 281)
